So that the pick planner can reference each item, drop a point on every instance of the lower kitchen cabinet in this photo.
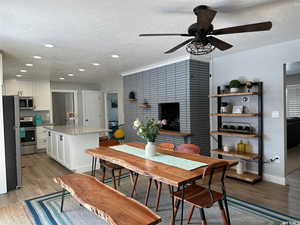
(41, 138)
(69, 150)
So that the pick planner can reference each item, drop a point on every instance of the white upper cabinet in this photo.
(11, 87)
(41, 95)
(18, 87)
(39, 90)
(25, 88)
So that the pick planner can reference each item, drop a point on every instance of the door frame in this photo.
(105, 106)
(75, 96)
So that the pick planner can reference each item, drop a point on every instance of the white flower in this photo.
(164, 122)
(137, 123)
(140, 130)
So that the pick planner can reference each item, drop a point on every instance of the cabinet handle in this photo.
(60, 137)
(49, 134)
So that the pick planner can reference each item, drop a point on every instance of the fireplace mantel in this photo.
(174, 133)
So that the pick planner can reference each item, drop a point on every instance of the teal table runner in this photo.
(181, 163)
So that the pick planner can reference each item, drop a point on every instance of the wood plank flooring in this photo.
(38, 171)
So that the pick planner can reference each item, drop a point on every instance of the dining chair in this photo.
(188, 148)
(111, 166)
(162, 146)
(203, 196)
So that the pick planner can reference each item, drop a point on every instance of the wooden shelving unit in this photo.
(233, 94)
(232, 134)
(235, 114)
(248, 177)
(247, 156)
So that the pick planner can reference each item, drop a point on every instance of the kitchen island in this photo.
(67, 145)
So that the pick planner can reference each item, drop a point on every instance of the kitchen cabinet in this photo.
(18, 87)
(39, 89)
(41, 95)
(67, 146)
(41, 138)
(49, 144)
(25, 87)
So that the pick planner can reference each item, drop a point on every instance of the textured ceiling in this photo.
(90, 31)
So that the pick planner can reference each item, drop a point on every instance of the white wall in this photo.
(115, 84)
(264, 64)
(2, 147)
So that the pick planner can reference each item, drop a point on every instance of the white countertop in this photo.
(71, 130)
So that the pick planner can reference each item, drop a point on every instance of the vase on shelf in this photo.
(150, 149)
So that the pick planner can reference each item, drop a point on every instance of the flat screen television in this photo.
(170, 112)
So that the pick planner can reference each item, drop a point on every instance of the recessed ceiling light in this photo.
(19, 75)
(71, 75)
(23, 71)
(115, 56)
(81, 70)
(29, 64)
(61, 78)
(48, 45)
(37, 57)
(96, 64)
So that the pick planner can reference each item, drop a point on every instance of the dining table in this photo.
(173, 171)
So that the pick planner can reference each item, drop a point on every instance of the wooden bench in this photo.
(111, 205)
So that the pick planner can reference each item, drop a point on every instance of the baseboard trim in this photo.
(274, 179)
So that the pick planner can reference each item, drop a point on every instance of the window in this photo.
(293, 100)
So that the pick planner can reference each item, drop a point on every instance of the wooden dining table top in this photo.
(158, 171)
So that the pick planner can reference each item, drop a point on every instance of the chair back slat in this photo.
(166, 146)
(189, 148)
(110, 142)
(214, 173)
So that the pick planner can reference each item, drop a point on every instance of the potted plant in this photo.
(234, 86)
(149, 130)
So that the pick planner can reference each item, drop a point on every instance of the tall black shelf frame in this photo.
(247, 177)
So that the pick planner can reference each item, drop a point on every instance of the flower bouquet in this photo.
(148, 131)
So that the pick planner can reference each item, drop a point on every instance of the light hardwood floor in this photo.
(39, 170)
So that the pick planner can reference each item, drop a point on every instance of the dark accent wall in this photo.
(186, 82)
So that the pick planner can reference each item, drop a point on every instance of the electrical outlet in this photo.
(276, 158)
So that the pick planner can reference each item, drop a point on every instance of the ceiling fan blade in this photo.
(179, 46)
(222, 45)
(147, 35)
(205, 16)
(264, 26)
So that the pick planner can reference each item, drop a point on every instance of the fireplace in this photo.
(170, 112)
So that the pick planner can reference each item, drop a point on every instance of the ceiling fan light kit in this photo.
(197, 48)
(203, 41)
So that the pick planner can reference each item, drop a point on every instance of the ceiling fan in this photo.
(202, 33)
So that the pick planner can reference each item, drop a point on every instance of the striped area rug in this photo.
(45, 210)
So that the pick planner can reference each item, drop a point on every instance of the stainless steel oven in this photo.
(26, 102)
(28, 135)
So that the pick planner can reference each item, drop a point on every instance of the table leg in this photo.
(148, 191)
(134, 185)
(173, 206)
(93, 165)
(182, 204)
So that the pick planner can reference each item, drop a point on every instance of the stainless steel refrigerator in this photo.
(11, 118)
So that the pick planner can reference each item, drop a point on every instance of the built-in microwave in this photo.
(26, 102)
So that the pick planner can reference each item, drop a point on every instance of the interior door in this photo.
(91, 108)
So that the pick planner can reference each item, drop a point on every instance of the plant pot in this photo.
(234, 90)
(150, 149)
